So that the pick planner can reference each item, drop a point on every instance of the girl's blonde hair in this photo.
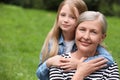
(53, 36)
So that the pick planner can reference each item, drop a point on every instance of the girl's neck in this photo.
(68, 36)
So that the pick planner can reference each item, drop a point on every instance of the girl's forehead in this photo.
(66, 9)
(70, 8)
(66, 6)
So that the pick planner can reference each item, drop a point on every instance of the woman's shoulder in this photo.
(110, 72)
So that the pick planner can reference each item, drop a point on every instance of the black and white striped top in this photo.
(109, 73)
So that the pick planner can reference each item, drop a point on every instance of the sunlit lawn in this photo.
(22, 32)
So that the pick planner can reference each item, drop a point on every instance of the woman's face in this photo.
(67, 20)
(89, 35)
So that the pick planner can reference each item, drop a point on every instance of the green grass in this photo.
(22, 32)
(113, 38)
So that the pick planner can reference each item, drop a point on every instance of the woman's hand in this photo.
(86, 68)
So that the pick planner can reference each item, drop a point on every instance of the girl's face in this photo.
(67, 20)
(89, 35)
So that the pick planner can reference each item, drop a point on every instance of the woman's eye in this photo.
(93, 32)
(81, 29)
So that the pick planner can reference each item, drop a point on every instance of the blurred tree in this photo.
(105, 6)
(51, 4)
(5, 1)
(108, 7)
(93, 4)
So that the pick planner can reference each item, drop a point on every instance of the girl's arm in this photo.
(42, 71)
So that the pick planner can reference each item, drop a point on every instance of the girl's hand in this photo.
(54, 61)
(69, 64)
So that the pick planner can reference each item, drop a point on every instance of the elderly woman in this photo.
(90, 33)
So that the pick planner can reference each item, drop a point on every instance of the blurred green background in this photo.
(24, 25)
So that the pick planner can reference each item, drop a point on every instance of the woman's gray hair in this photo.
(93, 15)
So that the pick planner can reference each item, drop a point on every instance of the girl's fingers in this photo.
(97, 60)
(64, 60)
(102, 62)
(99, 67)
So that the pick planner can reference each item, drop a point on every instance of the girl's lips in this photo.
(65, 25)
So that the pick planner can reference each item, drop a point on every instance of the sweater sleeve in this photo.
(43, 71)
(113, 72)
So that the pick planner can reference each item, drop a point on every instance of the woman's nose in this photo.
(86, 35)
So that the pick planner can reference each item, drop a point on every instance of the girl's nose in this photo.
(66, 19)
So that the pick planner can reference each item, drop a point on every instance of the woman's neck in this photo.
(79, 54)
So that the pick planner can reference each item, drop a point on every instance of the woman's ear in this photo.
(103, 37)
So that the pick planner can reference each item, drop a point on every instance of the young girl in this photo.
(61, 38)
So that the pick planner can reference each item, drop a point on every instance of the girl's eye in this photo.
(62, 14)
(72, 17)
